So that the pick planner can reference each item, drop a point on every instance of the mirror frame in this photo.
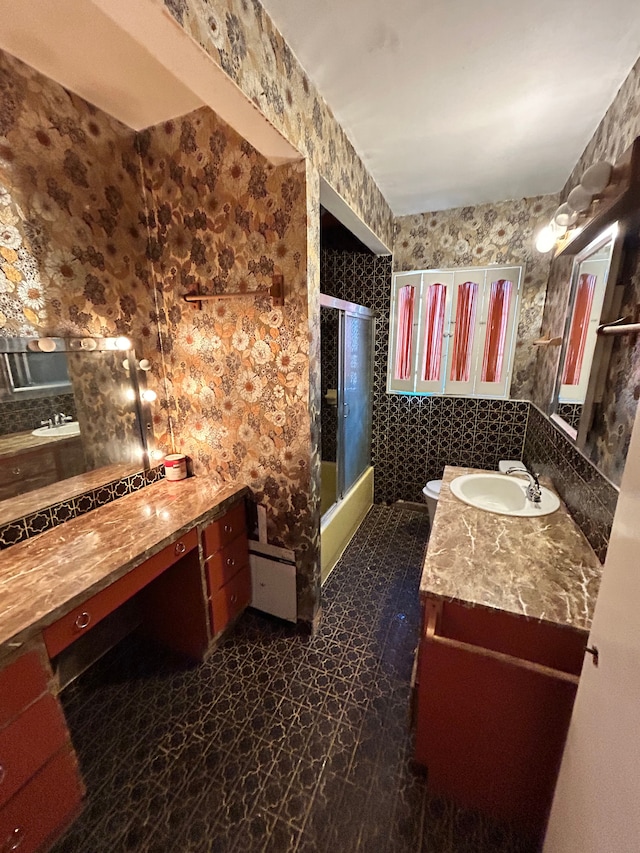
(610, 306)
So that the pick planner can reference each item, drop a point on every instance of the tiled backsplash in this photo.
(590, 497)
(23, 415)
(48, 517)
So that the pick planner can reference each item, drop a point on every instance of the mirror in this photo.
(68, 407)
(589, 277)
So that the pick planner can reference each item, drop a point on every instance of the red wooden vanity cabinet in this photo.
(494, 698)
(40, 784)
(226, 553)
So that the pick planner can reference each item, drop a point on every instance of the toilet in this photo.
(431, 493)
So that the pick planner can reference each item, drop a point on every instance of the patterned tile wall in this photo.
(571, 413)
(24, 415)
(590, 497)
(414, 437)
(48, 517)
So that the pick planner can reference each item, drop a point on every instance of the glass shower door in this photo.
(357, 386)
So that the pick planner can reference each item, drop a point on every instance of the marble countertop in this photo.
(63, 490)
(19, 442)
(45, 577)
(542, 568)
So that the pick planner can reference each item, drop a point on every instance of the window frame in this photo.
(452, 278)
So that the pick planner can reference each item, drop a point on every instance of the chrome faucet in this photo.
(60, 418)
(533, 492)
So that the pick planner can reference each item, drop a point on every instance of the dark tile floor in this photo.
(278, 743)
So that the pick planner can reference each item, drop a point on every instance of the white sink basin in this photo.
(62, 431)
(502, 494)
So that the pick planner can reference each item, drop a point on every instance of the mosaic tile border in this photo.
(45, 519)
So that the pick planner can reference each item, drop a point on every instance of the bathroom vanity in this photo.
(507, 605)
(171, 558)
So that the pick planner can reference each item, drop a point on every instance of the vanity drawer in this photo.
(224, 530)
(43, 807)
(28, 742)
(231, 600)
(20, 684)
(63, 632)
(223, 565)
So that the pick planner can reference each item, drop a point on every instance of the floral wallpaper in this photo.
(611, 426)
(72, 245)
(221, 219)
(241, 38)
(500, 233)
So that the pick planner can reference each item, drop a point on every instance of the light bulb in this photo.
(144, 364)
(564, 216)
(546, 239)
(579, 198)
(597, 177)
(88, 344)
(149, 396)
(122, 343)
(46, 345)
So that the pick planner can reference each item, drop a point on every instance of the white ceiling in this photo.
(454, 102)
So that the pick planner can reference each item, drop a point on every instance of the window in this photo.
(453, 331)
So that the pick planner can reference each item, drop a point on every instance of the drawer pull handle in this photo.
(231, 561)
(180, 548)
(3, 773)
(234, 598)
(228, 528)
(82, 621)
(15, 471)
(15, 839)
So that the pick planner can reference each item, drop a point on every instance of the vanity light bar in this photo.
(276, 292)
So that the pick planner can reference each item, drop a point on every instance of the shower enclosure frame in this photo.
(348, 309)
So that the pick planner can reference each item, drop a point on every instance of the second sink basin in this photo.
(62, 431)
(502, 494)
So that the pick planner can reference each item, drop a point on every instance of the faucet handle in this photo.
(47, 423)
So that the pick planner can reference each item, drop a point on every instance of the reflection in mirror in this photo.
(67, 407)
(589, 277)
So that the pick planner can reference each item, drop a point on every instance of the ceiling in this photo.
(456, 102)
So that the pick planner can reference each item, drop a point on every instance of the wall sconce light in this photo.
(594, 181)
